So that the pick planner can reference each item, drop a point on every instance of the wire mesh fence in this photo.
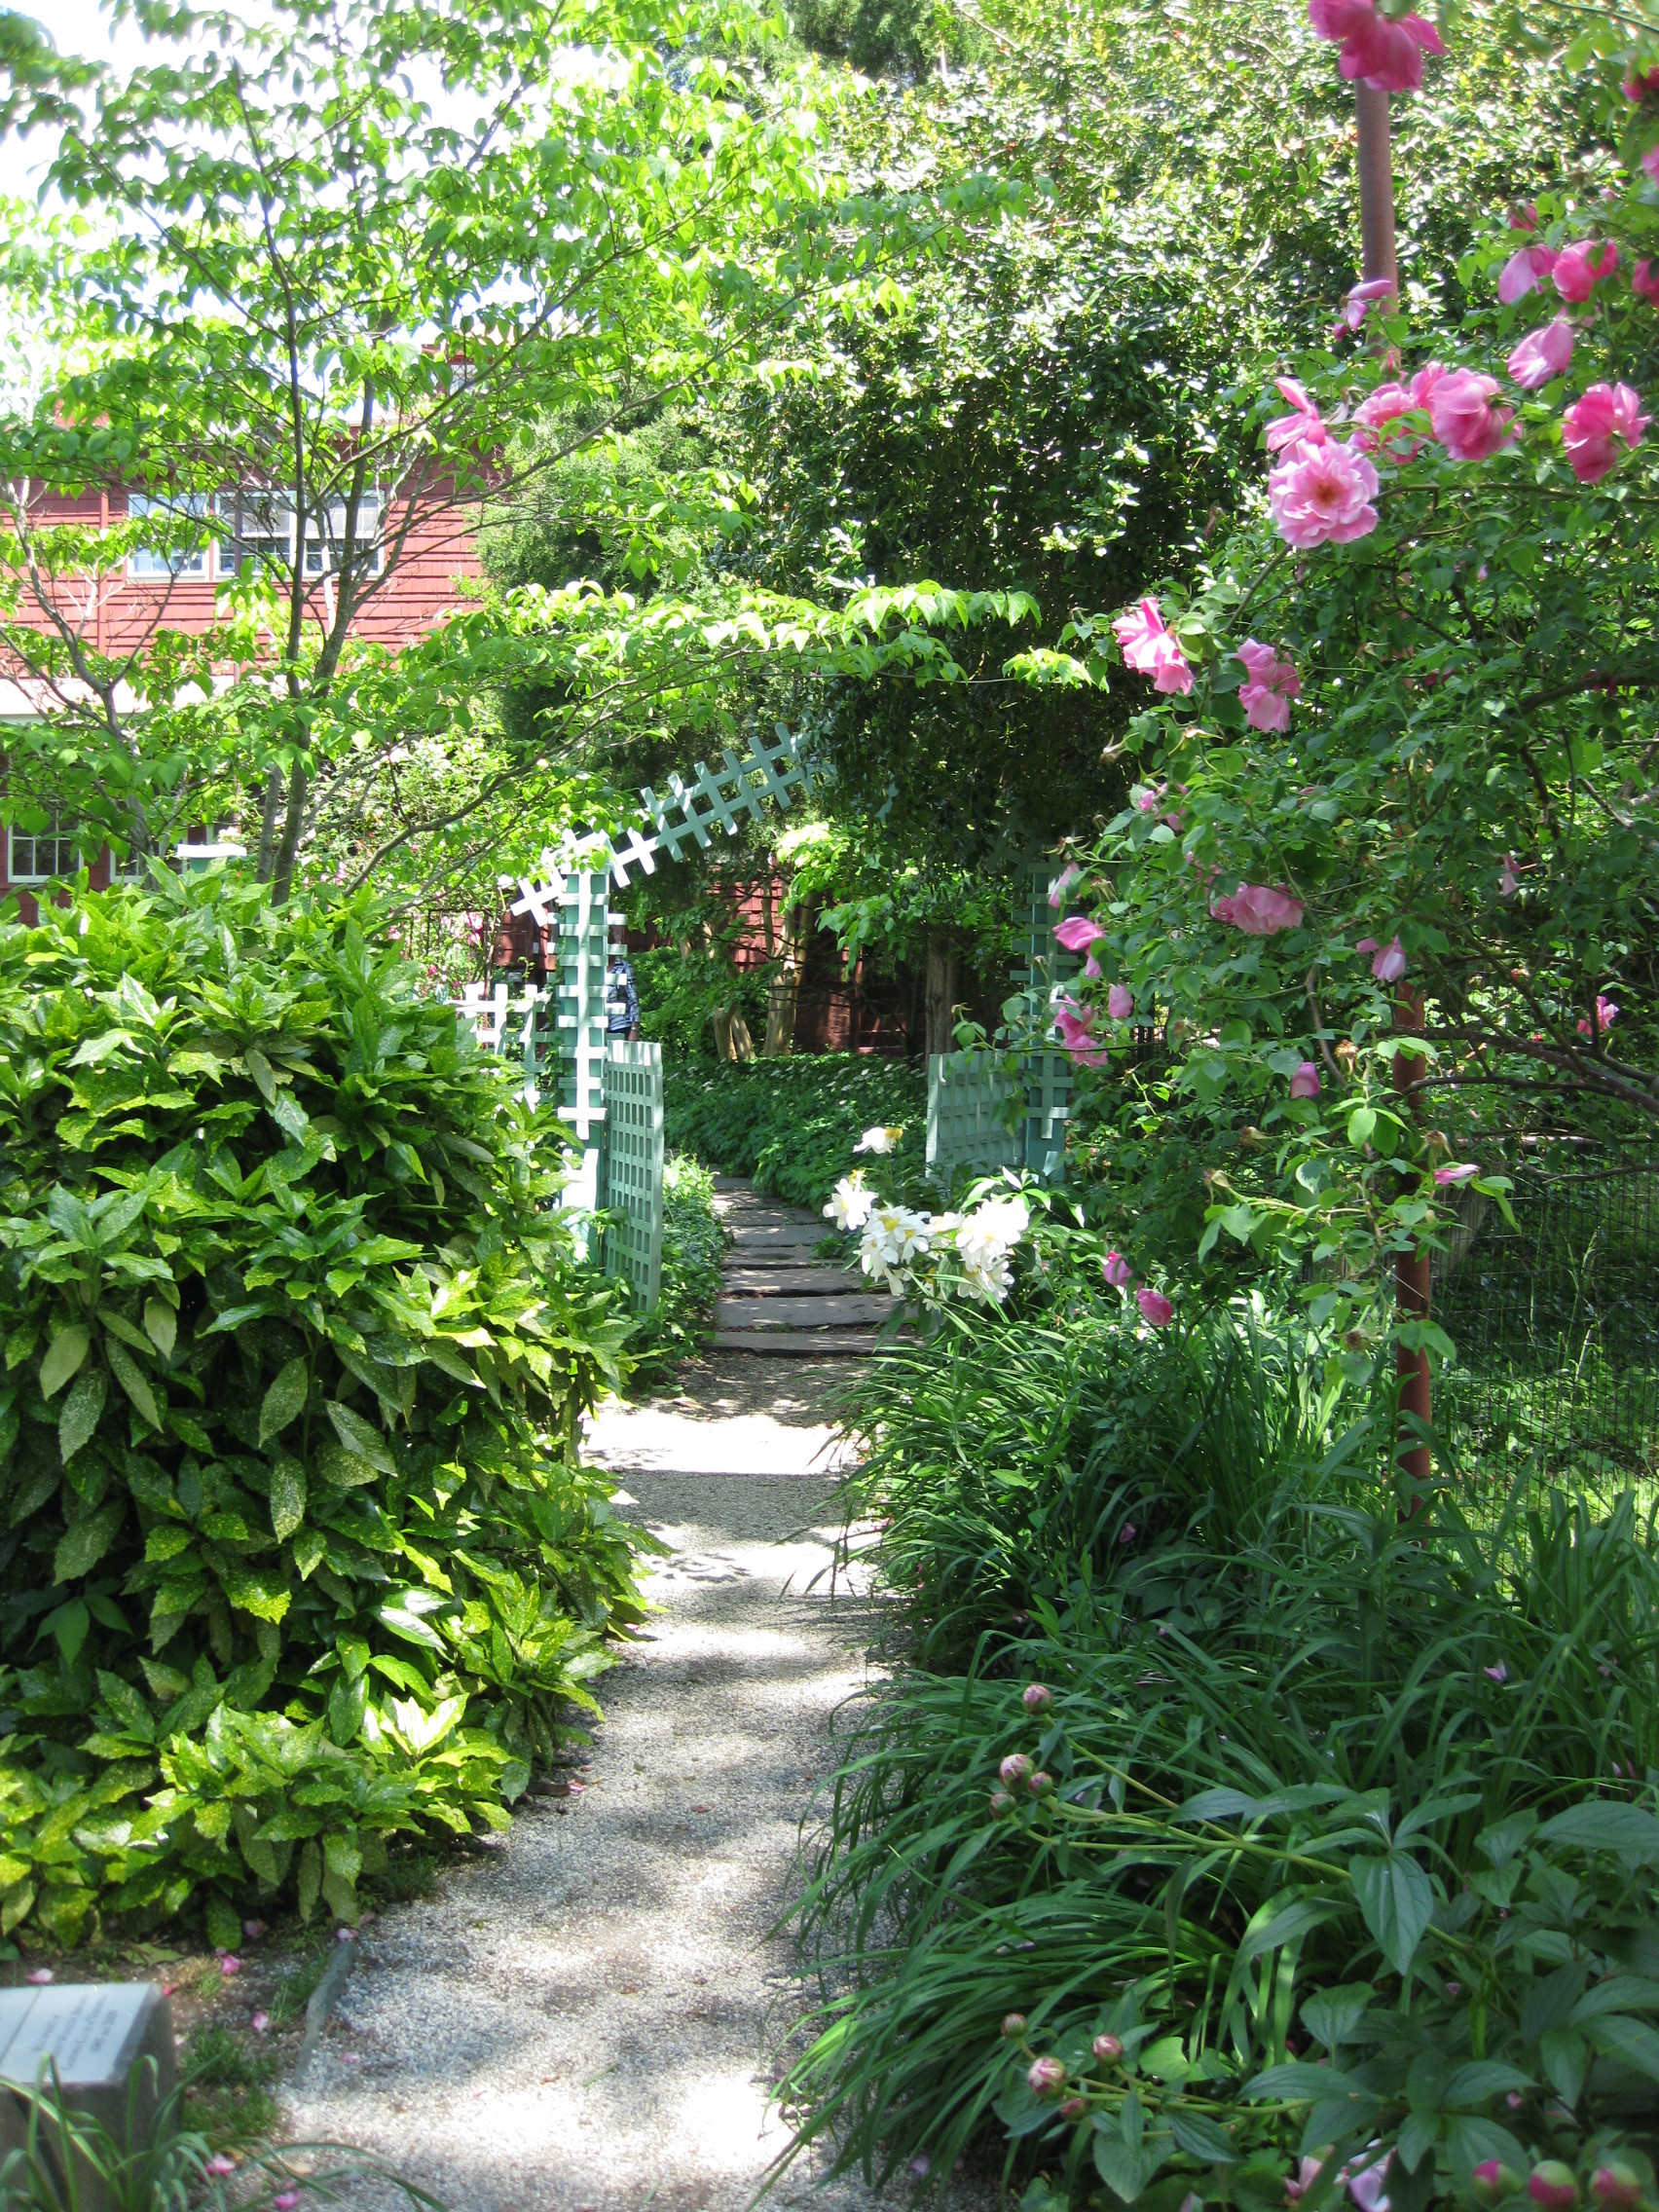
(1556, 1320)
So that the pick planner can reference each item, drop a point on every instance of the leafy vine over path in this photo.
(585, 2018)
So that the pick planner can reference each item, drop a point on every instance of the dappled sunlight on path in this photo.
(590, 2018)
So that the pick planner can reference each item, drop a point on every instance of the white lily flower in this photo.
(879, 1141)
(850, 1203)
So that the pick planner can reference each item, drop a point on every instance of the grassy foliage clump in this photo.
(692, 1243)
(1340, 1828)
(294, 1551)
(791, 1125)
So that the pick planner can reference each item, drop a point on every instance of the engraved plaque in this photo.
(95, 2033)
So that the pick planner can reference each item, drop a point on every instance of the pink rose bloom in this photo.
(1302, 427)
(1270, 686)
(1524, 271)
(1115, 1270)
(1390, 965)
(1645, 277)
(1078, 1038)
(1076, 933)
(1366, 2187)
(1377, 412)
(1359, 303)
(1509, 876)
(1147, 798)
(1383, 53)
(1639, 89)
(1321, 495)
(1598, 428)
(1304, 1083)
(1120, 1002)
(1259, 911)
(1606, 1014)
(1464, 1174)
(1148, 647)
(1155, 1308)
(1464, 419)
(1542, 354)
(1061, 884)
(1580, 268)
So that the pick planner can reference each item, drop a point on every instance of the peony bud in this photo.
(1013, 2026)
(1495, 2181)
(1615, 2187)
(1002, 1804)
(1553, 2187)
(1041, 1786)
(1074, 2108)
(1108, 2049)
(1016, 1769)
(1036, 1697)
(1046, 2077)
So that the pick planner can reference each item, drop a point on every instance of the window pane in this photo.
(35, 859)
(185, 560)
(259, 531)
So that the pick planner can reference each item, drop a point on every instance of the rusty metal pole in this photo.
(1412, 1267)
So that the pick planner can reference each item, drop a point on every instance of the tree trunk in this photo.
(782, 994)
(721, 1019)
(293, 822)
(742, 1044)
(1411, 1273)
(939, 1011)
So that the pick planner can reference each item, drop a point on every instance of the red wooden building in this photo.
(117, 610)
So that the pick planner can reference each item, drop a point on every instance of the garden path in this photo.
(590, 2017)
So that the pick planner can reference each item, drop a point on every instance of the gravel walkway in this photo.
(587, 2019)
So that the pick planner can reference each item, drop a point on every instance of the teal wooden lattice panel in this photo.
(632, 1168)
(968, 1096)
(578, 1006)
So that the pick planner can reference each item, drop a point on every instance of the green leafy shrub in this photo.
(1232, 1764)
(791, 1125)
(692, 1244)
(295, 1355)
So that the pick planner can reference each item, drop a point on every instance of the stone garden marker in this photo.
(96, 2033)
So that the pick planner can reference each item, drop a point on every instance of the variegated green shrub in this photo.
(294, 1549)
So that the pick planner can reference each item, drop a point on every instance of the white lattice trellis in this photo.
(632, 1168)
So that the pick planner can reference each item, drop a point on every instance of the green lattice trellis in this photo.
(632, 1168)
(969, 1101)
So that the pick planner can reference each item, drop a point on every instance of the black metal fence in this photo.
(1555, 1321)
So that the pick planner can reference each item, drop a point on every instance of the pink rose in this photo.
(1385, 53)
(1464, 419)
(1606, 1014)
(1120, 1002)
(1645, 277)
(1259, 911)
(1302, 427)
(1464, 1174)
(1321, 495)
(1389, 964)
(1061, 884)
(1156, 1308)
(1639, 89)
(1509, 876)
(1359, 303)
(1580, 268)
(1304, 1083)
(1115, 1270)
(1377, 412)
(1596, 429)
(1270, 686)
(1542, 354)
(1147, 798)
(1523, 272)
(1148, 647)
(1078, 1037)
(1076, 933)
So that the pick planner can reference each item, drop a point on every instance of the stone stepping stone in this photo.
(800, 1344)
(794, 1281)
(785, 1312)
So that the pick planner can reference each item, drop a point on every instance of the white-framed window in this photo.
(38, 858)
(325, 538)
(182, 561)
(258, 532)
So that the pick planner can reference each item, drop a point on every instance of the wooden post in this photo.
(939, 1014)
(1411, 1266)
